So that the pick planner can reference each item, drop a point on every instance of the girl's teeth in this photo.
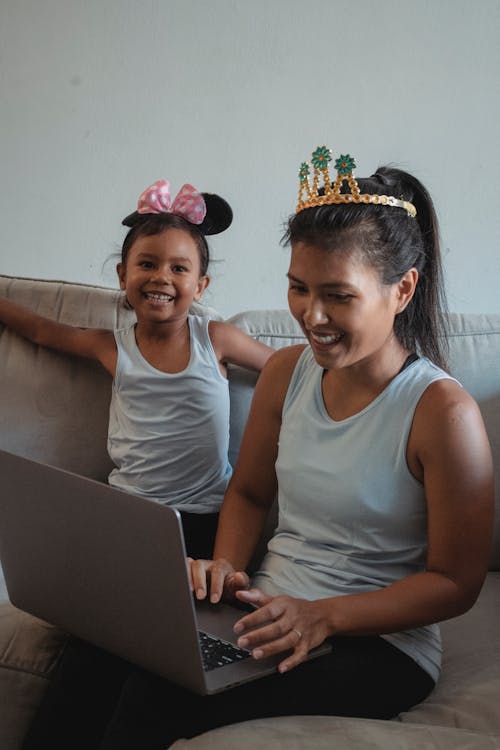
(160, 297)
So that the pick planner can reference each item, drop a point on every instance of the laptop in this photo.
(109, 567)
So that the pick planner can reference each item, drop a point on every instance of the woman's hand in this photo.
(223, 579)
(282, 623)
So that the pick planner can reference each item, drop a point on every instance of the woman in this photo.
(380, 460)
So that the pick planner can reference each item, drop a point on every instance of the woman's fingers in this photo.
(236, 582)
(198, 577)
(299, 655)
(270, 640)
(217, 576)
(280, 624)
(220, 571)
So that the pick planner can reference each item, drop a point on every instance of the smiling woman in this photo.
(380, 460)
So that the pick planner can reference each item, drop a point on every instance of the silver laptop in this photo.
(109, 567)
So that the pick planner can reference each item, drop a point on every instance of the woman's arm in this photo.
(234, 345)
(90, 343)
(448, 451)
(252, 489)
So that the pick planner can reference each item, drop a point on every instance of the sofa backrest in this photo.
(54, 408)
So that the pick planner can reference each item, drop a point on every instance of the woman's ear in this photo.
(120, 270)
(203, 282)
(406, 289)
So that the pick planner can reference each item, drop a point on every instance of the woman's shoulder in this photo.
(446, 414)
(285, 360)
(445, 396)
(274, 380)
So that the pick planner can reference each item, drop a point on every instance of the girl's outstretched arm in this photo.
(235, 346)
(84, 342)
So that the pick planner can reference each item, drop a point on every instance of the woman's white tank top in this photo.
(352, 518)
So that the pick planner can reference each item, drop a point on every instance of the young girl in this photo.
(169, 414)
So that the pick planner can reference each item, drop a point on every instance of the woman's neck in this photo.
(349, 390)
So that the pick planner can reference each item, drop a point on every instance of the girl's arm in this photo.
(234, 345)
(448, 450)
(90, 343)
(252, 488)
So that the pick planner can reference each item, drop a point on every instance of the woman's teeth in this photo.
(331, 339)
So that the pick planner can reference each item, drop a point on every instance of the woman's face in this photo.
(345, 311)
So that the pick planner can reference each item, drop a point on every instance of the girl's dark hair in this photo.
(157, 223)
(392, 242)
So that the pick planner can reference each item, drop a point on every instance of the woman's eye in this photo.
(297, 288)
(340, 297)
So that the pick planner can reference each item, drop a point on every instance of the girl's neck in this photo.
(164, 330)
(165, 346)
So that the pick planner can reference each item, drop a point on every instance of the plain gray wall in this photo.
(99, 98)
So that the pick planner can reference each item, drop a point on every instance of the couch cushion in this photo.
(468, 692)
(29, 649)
(474, 360)
(326, 733)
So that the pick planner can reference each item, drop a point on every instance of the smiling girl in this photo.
(169, 415)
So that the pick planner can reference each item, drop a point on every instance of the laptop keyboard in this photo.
(216, 653)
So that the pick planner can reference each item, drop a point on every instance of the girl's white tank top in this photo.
(169, 433)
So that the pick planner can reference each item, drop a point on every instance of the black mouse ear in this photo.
(134, 218)
(218, 217)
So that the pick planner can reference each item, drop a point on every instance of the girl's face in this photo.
(345, 311)
(161, 277)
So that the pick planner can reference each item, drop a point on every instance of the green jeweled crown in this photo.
(329, 192)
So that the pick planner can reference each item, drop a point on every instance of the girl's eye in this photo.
(180, 269)
(298, 288)
(146, 264)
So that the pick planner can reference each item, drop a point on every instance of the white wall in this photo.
(99, 98)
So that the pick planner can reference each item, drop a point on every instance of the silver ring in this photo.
(299, 634)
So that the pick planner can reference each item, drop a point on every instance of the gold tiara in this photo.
(328, 192)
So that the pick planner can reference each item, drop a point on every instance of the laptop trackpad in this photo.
(218, 619)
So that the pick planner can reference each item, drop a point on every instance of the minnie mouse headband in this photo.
(210, 213)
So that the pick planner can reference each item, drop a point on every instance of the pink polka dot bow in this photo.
(188, 203)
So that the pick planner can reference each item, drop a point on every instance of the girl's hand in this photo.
(220, 574)
(285, 623)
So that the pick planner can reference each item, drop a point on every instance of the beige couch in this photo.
(54, 408)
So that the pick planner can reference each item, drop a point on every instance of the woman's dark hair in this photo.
(155, 224)
(392, 242)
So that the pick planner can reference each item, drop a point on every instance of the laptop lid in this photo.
(109, 567)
